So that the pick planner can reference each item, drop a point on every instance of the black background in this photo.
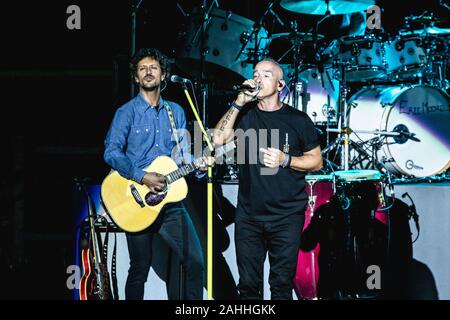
(59, 91)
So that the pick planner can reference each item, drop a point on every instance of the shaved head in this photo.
(278, 72)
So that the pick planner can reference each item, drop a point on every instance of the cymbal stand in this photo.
(344, 119)
(297, 89)
(255, 34)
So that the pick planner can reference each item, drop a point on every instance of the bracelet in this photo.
(287, 161)
(234, 105)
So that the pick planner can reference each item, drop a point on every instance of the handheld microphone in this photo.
(243, 87)
(178, 79)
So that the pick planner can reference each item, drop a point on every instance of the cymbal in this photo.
(427, 31)
(319, 7)
(303, 36)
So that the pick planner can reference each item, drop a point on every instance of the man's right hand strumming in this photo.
(156, 182)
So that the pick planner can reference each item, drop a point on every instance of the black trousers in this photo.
(175, 226)
(281, 240)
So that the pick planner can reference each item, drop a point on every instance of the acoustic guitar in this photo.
(133, 207)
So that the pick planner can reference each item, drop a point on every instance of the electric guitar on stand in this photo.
(94, 284)
(133, 207)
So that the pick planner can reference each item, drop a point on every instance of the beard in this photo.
(148, 85)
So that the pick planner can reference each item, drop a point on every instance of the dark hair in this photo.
(153, 54)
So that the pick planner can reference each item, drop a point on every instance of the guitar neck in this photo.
(191, 167)
(182, 171)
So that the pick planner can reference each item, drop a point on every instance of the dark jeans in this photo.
(281, 239)
(175, 226)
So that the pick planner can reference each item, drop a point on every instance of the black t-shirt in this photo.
(270, 194)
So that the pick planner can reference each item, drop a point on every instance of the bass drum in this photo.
(225, 34)
(421, 110)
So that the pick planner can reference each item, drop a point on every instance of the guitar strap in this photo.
(174, 127)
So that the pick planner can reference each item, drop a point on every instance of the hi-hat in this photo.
(319, 7)
(425, 19)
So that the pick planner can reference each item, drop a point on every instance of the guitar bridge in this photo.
(136, 196)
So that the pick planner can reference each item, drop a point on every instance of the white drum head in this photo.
(358, 175)
(422, 110)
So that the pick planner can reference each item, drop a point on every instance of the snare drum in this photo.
(362, 56)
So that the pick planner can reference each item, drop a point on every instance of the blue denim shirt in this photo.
(139, 133)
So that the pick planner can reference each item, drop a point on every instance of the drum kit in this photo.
(394, 128)
(397, 119)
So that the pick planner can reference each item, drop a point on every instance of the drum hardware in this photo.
(298, 61)
(400, 133)
(443, 177)
(364, 159)
(317, 93)
(254, 56)
(344, 124)
(233, 172)
(446, 6)
(428, 31)
(426, 19)
(298, 43)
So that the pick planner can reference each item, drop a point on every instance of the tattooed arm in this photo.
(224, 132)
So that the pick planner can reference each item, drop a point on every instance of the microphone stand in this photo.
(209, 268)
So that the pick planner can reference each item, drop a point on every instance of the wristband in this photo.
(287, 161)
(234, 105)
